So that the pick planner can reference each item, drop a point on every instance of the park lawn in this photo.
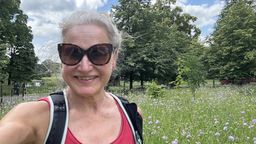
(225, 114)
(217, 115)
(49, 85)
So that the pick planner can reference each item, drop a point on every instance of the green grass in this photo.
(217, 115)
(49, 85)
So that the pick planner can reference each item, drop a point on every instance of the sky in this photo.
(44, 17)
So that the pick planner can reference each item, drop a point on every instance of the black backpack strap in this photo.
(58, 120)
(135, 117)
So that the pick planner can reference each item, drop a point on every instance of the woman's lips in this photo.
(86, 79)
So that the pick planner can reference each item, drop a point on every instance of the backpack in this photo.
(58, 125)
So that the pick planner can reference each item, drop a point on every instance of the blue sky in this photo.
(108, 5)
(44, 18)
(198, 2)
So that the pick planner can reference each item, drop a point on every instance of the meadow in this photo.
(220, 115)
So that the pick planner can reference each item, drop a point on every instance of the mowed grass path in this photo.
(217, 116)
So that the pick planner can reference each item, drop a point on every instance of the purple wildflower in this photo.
(175, 141)
(254, 121)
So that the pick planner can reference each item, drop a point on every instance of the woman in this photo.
(88, 54)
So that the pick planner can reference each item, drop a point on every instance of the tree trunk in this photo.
(124, 85)
(23, 90)
(213, 83)
(131, 80)
(141, 81)
(1, 93)
(9, 79)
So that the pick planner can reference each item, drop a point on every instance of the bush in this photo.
(6, 89)
(154, 90)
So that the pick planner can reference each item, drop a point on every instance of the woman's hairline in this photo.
(110, 28)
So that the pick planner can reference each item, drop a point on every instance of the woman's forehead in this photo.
(86, 35)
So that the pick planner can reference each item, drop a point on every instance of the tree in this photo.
(17, 36)
(191, 68)
(132, 17)
(7, 8)
(3, 74)
(47, 68)
(156, 35)
(3, 63)
(233, 42)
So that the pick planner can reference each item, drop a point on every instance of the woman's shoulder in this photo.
(26, 111)
(27, 120)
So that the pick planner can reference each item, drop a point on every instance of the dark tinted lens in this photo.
(70, 54)
(100, 54)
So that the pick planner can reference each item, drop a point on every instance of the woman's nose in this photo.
(85, 64)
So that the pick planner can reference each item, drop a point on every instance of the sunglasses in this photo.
(98, 54)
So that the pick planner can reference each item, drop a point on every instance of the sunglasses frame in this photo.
(86, 52)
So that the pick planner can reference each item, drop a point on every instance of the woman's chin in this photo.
(85, 92)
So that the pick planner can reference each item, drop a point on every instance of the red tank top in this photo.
(125, 135)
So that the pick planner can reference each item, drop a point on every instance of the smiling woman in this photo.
(89, 114)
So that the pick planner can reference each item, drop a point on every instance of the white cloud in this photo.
(206, 14)
(48, 51)
(44, 18)
(79, 3)
(91, 4)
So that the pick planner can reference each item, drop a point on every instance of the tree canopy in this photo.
(155, 36)
(16, 37)
(233, 44)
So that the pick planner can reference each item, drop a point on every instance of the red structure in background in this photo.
(238, 82)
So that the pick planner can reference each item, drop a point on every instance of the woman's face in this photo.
(85, 78)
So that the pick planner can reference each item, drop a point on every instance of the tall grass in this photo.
(217, 115)
(49, 85)
(220, 115)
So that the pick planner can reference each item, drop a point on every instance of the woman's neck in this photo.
(88, 103)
